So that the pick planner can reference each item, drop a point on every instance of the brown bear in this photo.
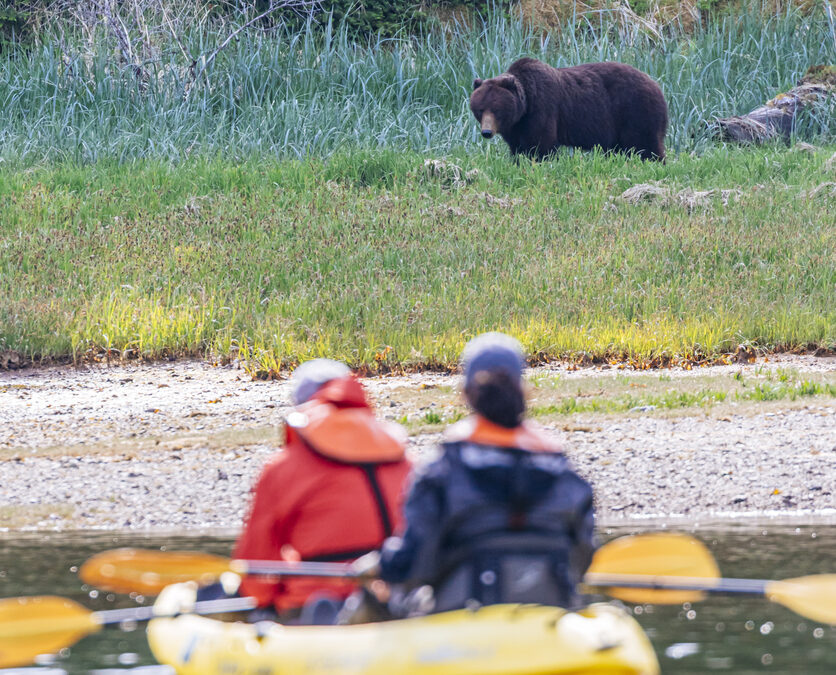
(537, 108)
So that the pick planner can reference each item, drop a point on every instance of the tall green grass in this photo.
(302, 93)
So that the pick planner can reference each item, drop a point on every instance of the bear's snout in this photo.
(489, 126)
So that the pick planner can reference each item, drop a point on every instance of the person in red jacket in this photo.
(333, 494)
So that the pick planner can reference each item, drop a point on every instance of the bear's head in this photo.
(497, 103)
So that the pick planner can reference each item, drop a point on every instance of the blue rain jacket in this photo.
(490, 522)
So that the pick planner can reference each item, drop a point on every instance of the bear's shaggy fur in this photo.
(537, 108)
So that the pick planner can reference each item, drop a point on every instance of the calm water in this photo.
(722, 634)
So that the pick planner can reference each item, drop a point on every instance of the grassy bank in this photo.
(372, 258)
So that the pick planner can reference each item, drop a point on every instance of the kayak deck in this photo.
(494, 640)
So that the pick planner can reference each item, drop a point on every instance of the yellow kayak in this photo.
(495, 640)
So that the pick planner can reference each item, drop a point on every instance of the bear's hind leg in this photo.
(649, 144)
(653, 150)
(657, 152)
(656, 155)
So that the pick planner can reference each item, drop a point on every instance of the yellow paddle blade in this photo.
(132, 570)
(40, 625)
(662, 554)
(813, 596)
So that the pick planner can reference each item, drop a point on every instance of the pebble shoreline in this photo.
(176, 447)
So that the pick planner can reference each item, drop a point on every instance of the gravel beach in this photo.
(176, 446)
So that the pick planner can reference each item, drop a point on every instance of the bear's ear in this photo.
(513, 85)
(477, 83)
(507, 82)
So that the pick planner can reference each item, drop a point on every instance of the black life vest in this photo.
(509, 530)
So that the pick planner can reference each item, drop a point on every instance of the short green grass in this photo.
(556, 397)
(672, 399)
(369, 258)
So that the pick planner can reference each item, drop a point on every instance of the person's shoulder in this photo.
(436, 469)
(578, 483)
(536, 438)
(561, 468)
(459, 431)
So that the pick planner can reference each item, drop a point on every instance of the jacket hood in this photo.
(512, 477)
(339, 424)
(343, 392)
(476, 429)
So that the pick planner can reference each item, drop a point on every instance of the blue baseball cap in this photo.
(493, 352)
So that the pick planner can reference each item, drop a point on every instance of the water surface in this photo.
(721, 634)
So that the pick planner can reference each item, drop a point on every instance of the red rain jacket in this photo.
(333, 494)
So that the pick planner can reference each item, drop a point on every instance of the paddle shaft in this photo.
(283, 568)
(656, 582)
(110, 616)
(670, 583)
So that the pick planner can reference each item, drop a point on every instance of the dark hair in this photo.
(498, 397)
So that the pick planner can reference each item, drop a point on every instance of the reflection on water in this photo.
(722, 634)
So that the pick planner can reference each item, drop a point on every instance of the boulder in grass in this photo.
(777, 118)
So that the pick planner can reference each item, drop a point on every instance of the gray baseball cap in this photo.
(307, 379)
(492, 352)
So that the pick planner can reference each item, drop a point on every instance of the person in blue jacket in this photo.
(500, 516)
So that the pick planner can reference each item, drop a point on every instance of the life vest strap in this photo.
(370, 471)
